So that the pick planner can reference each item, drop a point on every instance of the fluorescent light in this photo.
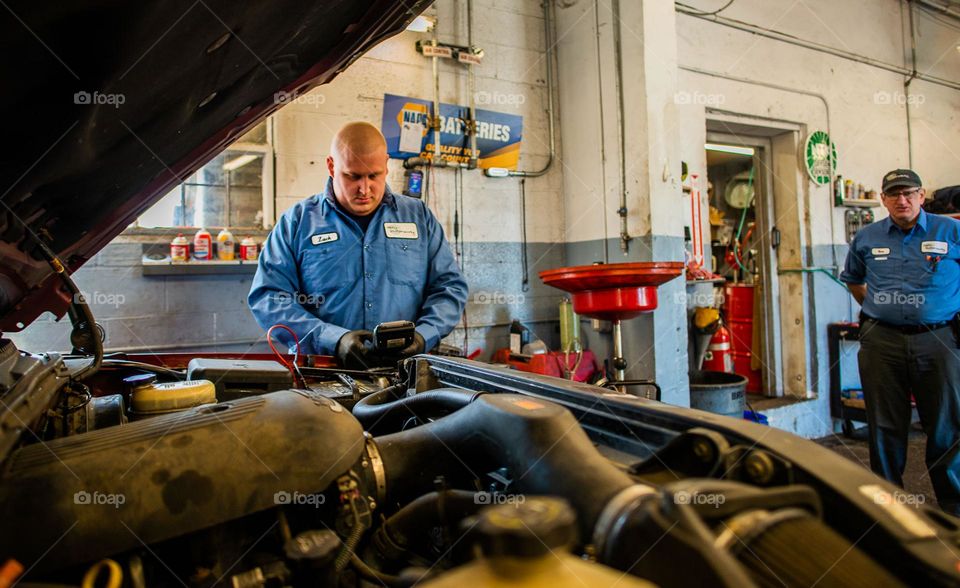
(735, 149)
(422, 24)
(238, 162)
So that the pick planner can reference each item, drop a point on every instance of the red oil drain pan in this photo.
(614, 291)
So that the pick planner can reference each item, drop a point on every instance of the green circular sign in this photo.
(821, 157)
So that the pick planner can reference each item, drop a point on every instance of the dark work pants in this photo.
(892, 366)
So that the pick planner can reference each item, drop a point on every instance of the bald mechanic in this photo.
(356, 255)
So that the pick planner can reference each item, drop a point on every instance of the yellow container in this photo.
(173, 396)
(226, 246)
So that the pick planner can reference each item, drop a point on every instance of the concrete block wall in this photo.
(154, 313)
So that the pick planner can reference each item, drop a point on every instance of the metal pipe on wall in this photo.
(549, 42)
(621, 130)
(942, 9)
(603, 140)
(907, 82)
(777, 35)
(435, 123)
(472, 89)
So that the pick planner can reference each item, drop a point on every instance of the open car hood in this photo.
(111, 104)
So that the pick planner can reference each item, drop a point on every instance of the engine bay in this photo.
(204, 471)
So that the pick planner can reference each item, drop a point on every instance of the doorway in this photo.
(743, 241)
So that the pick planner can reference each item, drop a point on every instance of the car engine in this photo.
(443, 472)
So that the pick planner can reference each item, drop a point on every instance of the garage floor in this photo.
(915, 479)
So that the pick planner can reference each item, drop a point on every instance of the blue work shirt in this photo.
(912, 277)
(322, 276)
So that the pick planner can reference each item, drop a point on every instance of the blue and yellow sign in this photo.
(499, 135)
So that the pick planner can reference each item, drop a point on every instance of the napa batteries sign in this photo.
(406, 127)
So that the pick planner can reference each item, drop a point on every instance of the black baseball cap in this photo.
(901, 177)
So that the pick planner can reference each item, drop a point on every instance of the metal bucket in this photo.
(718, 392)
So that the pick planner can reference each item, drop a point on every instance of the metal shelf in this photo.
(860, 202)
(165, 267)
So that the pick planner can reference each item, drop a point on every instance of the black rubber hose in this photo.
(382, 413)
(540, 443)
(410, 528)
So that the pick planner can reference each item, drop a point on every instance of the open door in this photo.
(743, 239)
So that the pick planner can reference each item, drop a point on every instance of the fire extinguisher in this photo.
(719, 355)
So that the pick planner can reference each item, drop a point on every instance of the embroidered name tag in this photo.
(324, 238)
(401, 230)
(880, 251)
(933, 247)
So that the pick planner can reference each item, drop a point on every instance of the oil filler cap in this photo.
(527, 527)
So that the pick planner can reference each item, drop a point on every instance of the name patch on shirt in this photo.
(401, 230)
(933, 247)
(880, 251)
(324, 238)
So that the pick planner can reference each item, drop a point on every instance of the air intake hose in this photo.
(540, 443)
(383, 412)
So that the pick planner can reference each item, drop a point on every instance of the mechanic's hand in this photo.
(353, 351)
(394, 356)
(418, 346)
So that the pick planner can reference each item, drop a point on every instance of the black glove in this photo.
(418, 346)
(353, 349)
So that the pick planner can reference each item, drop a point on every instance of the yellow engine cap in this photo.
(172, 396)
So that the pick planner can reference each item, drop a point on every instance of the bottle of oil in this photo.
(569, 327)
(226, 250)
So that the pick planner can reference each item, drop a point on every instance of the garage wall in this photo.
(867, 109)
